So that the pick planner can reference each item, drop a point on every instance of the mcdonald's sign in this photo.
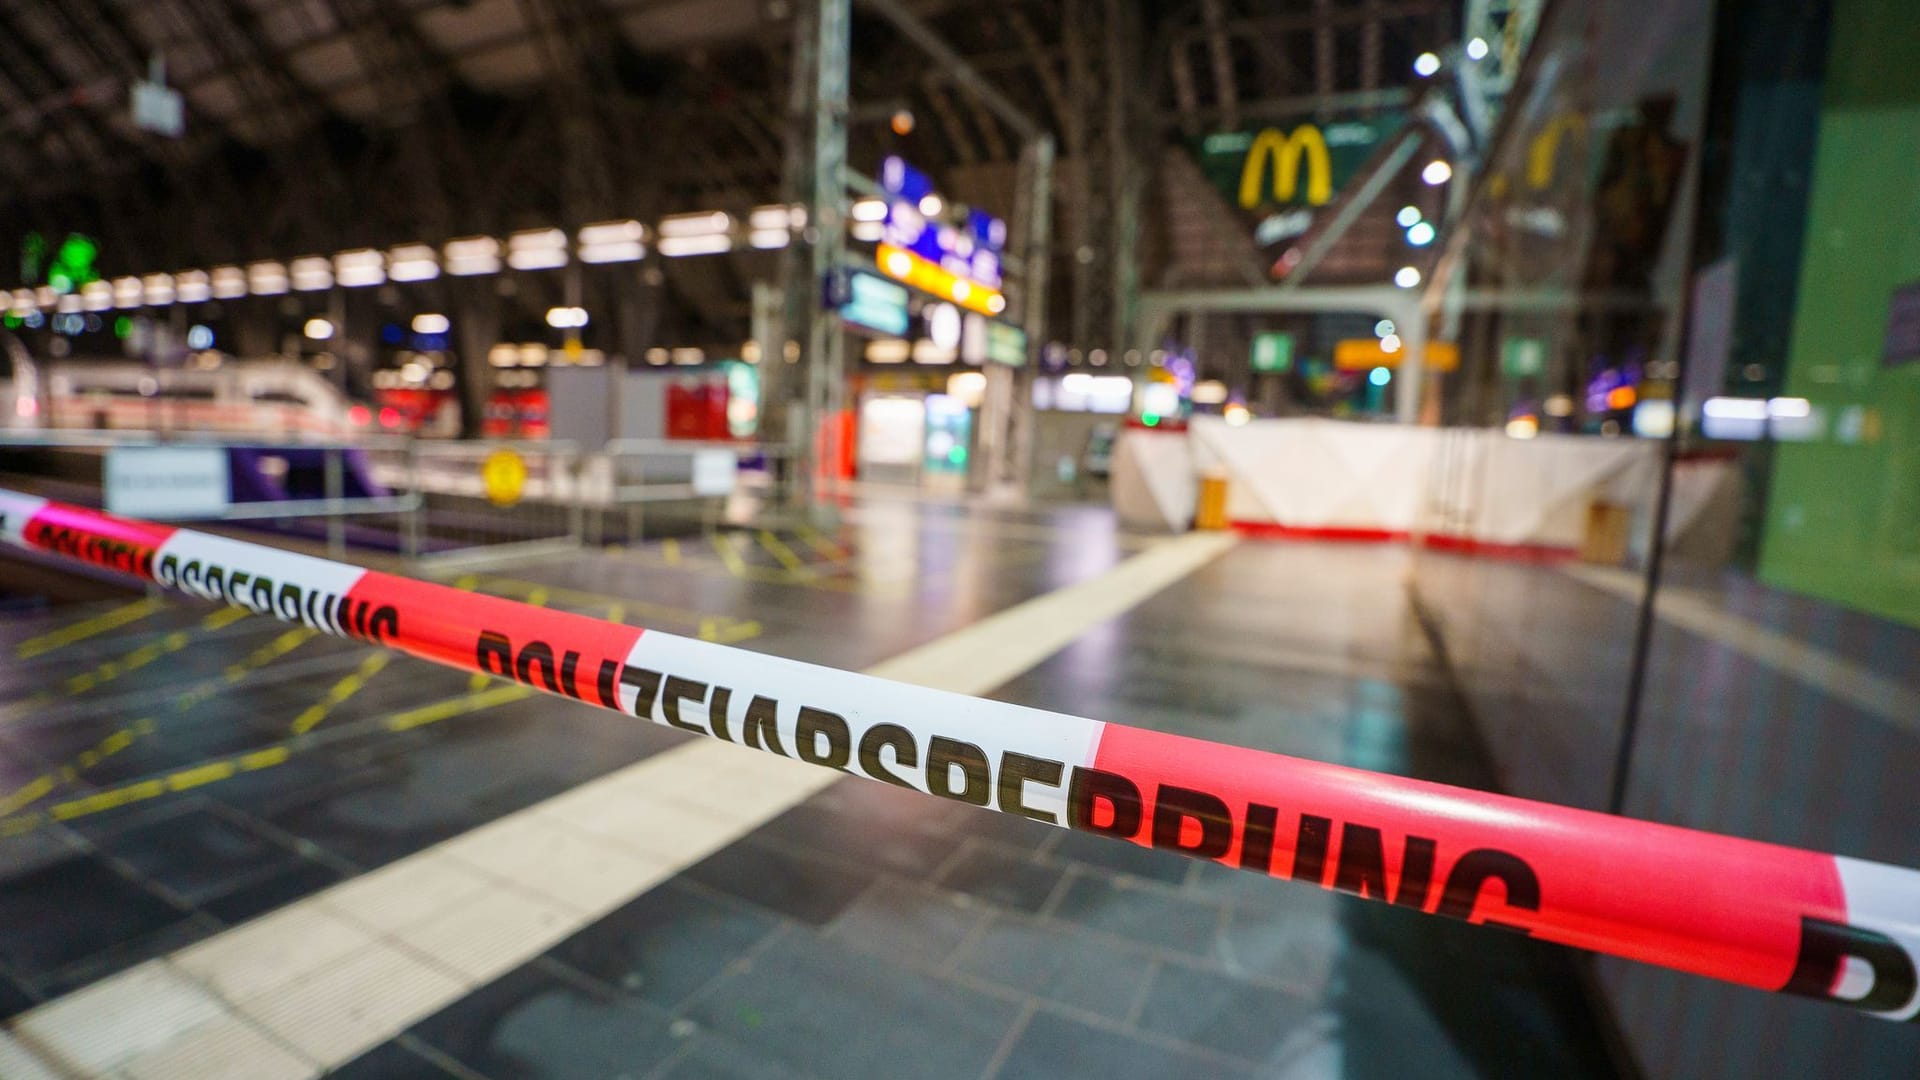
(1297, 164)
(1284, 153)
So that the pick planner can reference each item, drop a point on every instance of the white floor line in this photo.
(1826, 671)
(315, 984)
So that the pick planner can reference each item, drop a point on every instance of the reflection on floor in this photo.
(1765, 715)
(209, 773)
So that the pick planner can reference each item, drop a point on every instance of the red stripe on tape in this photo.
(569, 654)
(1632, 888)
(97, 538)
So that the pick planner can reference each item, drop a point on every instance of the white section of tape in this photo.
(15, 511)
(262, 579)
(864, 702)
(1880, 898)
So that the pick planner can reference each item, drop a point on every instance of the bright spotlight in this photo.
(1420, 235)
(318, 329)
(1436, 173)
(1406, 277)
(1425, 64)
(1477, 49)
(1408, 216)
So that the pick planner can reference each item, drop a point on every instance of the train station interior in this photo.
(1304, 539)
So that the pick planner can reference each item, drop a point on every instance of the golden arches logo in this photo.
(1285, 151)
(1543, 153)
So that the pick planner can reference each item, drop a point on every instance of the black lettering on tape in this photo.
(385, 626)
(1362, 867)
(1824, 946)
(678, 690)
(1475, 869)
(532, 654)
(1017, 770)
(569, 667)
(216, 583)
(1174, 806)
(262, 595)
(1103, 802)
(815, 724)
(905, 753)
(1416, 873)
(493, 654)
(646, 686)
(608, 684)
(945, 755)
(168, 571)
(762, 723)
(1310, 849)
(288, 602)
(717, 712)
(1256, 845)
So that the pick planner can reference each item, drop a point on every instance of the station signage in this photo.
(875, 303)
(1272, 352)
(1280, 175)
(1006, 344)
(167, 482)
(943, 248)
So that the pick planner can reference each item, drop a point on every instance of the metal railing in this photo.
(428, 500)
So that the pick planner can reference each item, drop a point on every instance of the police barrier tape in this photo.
(1772, 917)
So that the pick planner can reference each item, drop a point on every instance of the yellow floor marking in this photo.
(773, 576)
(721, 629)
(340, 692)
(818, 542)
(80, 631)
(460, 706)
(780, 551)
(723, 546)
(179, 780)
(671, 549)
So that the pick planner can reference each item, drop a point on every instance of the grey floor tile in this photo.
(389, 1061)
(199, 855)
(715, 1058)
(1153, 916)
(874, 842)
(817, 1007)
(1226, 1015)
(667, 944)
(906, 924)
(1003, 879)
(533, 1024)
(71, 909)
(1053, 1047)
(813, 891)
(1056, 963)
(1122, 857)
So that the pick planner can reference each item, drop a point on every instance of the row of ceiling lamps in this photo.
(703, 233)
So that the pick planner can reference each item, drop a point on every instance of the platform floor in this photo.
(169, 771)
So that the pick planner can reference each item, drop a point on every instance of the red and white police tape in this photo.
(1773, 917)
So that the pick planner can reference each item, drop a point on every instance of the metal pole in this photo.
(1038, 262)
(826, 223)
(336, 528)
(410, 524)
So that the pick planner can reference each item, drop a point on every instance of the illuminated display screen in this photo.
(920, 222)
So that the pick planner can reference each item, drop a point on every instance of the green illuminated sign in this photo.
(70, 266)
(1272, 352)
(1006, 344)
(1521, 357)
(1300, 163)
